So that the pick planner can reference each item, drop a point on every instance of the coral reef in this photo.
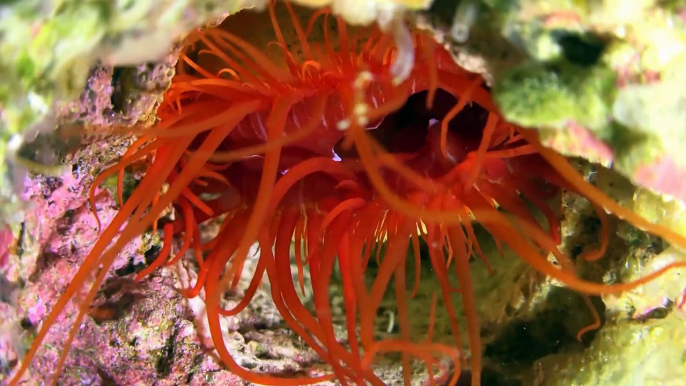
(592, 77)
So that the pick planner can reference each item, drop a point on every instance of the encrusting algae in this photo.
(324, 148)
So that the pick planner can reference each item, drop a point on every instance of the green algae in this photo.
(623, 353)
(661, 210)
(550, 95)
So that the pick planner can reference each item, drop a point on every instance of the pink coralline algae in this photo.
(664, 176)
(584, 143)
(7, 240)
(136, 333)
